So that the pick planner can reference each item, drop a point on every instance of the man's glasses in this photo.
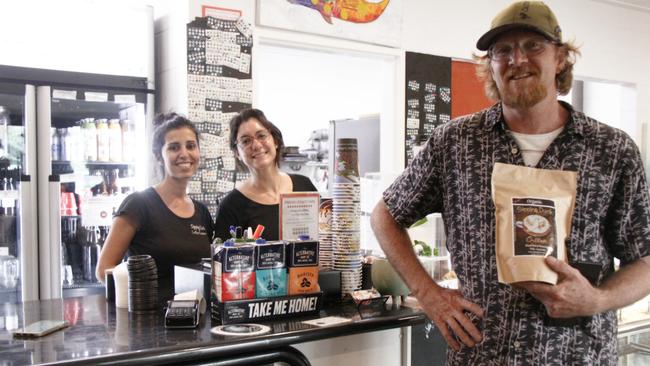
(247, 141)
(502, 51)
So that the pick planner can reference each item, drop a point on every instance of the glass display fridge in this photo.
(18, 246)
(76, 146)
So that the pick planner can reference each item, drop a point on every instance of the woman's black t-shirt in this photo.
(237, 210)
(168, 238)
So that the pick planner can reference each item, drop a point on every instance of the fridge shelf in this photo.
(61, 167)
(84, 284)
(67, 113)
(108, 165)
(83, 291)
(9, 295)
(9, 194)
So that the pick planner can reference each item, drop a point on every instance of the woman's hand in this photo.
(119, 238)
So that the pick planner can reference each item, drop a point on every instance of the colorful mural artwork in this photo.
(356, 11)
(371, 21)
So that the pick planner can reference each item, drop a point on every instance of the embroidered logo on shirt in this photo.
(198, 230)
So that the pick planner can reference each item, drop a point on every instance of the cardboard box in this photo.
(270, 269)
(303, 280)
(233, 273)
(271, 282)
(302, 253)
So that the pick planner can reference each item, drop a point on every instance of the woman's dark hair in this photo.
(165, 122)
(246, 115)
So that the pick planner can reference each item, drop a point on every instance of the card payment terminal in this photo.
(182, 314)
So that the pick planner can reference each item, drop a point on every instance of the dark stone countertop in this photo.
(100, 334)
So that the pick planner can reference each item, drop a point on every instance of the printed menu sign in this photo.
(534, 227)
(299, 215)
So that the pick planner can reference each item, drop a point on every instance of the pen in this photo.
(249, 233)
(233, 233)
(238, 232)
(258, 231)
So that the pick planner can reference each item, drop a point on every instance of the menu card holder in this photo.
(372, 307)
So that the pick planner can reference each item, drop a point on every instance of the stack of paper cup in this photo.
(346, 215)
(121, 277)
(326, 259)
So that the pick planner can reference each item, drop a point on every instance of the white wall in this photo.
(78, 35)
(380, 348)
(614, 39)
(323, 86)
(612, 103)
(613, 43)
(172, 17)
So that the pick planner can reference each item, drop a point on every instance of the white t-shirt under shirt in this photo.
(533, 146)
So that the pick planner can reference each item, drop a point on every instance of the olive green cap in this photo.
(531, 15)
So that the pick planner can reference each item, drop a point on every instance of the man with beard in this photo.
(526, 67)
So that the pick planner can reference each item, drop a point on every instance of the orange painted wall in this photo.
(467, 94)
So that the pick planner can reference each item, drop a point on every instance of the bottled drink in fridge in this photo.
(115, 140)
(90, 140)
(75, 142)
(128, 140)
(64, 143)
(90, 254)
(4, 123)
(103, 140)
(55, 144)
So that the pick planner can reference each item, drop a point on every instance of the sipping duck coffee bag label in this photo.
(533, 211)
(534, 227)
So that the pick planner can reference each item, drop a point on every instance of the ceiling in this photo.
(642, 5)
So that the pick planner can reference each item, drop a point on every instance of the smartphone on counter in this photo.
(40, 328)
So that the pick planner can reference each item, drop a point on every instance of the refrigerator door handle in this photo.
(28, 241)
(27, 212)
(29, 164)
(54, 240)
(49, 243)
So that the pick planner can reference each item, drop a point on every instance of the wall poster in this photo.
(371, 21)
(219, 49)
(428, 98)
(467, 93)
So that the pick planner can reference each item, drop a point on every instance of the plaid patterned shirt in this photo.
(611, 219)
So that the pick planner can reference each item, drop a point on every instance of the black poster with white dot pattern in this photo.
(428, 98)
(219, 85)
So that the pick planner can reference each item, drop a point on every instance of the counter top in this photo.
(100, 334)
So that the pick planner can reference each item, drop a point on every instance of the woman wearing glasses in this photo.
(257, 144)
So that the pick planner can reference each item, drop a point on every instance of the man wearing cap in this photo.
(526, 67)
